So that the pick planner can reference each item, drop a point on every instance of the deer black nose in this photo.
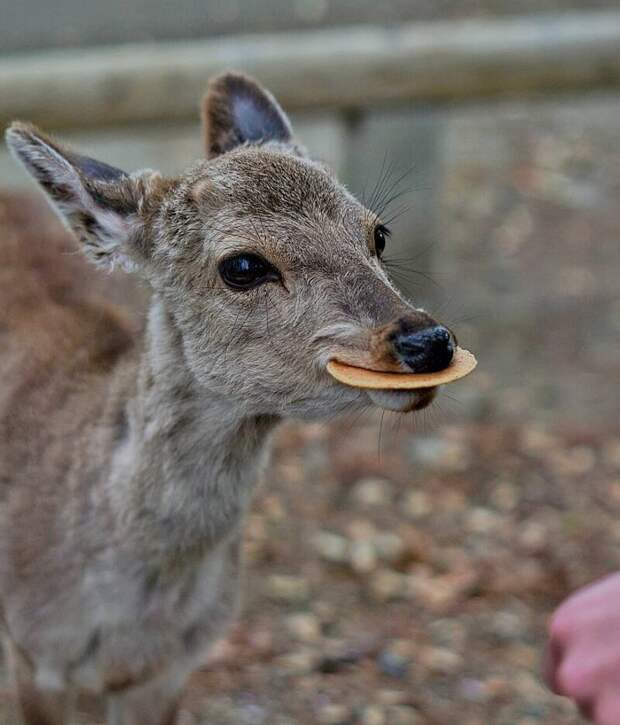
(426, 350)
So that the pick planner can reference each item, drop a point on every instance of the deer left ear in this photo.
(237, 110)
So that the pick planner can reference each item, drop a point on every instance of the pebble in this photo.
(393, 664)
(448, 633)
(302, 661)
(304, 627)
(482, 520)
(331, 547)
(537, 440)
(389, 546)
(373, 715)
(185, 718)
(392, 697)
(611, 450)
(439, 453)
(372, 492)
(433, 592)
(473, 690)
(363, 556)
(334, 715)
(441, 660)
(508, 625)
(505, 496)
(533, 536)
(417, 504)
(402, 715)
(387, 585)
(289, 589)
(575, 461)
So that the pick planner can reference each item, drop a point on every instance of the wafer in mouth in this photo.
(463, 362)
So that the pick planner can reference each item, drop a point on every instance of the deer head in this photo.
(266, 265)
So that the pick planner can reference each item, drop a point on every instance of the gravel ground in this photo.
(412, 583)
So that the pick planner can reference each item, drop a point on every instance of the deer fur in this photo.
(128, 455)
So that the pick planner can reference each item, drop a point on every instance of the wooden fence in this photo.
(344, 68)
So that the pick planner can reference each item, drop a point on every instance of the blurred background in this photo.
(400, 570)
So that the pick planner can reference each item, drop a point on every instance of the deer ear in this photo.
(237, 110)
(98, 202)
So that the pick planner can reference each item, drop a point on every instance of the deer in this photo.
(129, 454)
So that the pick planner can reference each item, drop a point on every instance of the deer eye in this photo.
(245, 271)
(381, 235)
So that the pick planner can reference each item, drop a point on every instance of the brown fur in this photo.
(129, 451)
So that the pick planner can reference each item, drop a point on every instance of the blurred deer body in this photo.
(128, 458)
(109, 579)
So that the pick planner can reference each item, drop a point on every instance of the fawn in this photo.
(128, 460)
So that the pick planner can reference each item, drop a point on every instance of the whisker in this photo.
(380, 432)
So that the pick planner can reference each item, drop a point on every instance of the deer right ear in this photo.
(98, 202)
(237, 110)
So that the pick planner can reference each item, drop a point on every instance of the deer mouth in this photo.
(402, 401)
(402, 392)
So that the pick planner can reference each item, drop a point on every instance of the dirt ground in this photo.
(402, 576)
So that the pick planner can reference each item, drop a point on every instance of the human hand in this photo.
(583, 656)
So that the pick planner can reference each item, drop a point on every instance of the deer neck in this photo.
(194, 457)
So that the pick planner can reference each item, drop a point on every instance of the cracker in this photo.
(462, 364)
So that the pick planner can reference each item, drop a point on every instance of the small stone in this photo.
(530, 687)
(483, 520)
(334, 715)
(387, 585)
(405, 648)
(389, 547)
(524, 656)
(448, 633)
(434, 592)
(392, 697)
(533, 536)
(287, 589)
(508, 625)
(392, 664)
(373, 715)
(297, 663)
(361, 530)
(505, 496)
(185, 717)
(363, 556)
(498, 687)
(417, 504)
(537, 440)
(611, 449)
(254, 714)
(575, 461)
(372, 492)
(331, 547)
(304, 627)
(441, 660)
(451, 456)
(403, 715)
(473, 690)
